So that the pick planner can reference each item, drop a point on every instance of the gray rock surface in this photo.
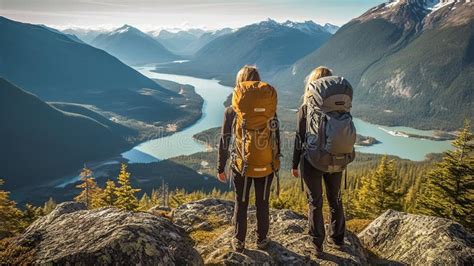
(418, 240)
(195, 215)
(290, 244)
(73, 235)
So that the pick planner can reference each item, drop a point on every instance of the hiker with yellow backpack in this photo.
(250, 139)
(324, 146)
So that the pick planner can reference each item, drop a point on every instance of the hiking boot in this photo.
(237, 245)
(337, 244)
(263, 244)
(318, 247)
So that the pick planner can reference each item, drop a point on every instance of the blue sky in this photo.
(154, 14)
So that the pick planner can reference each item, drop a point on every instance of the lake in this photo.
(214, 94)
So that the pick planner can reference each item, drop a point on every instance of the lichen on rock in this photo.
(418, 240)
(73, 235)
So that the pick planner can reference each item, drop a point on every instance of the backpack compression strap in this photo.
(244, 161)
(274, 124)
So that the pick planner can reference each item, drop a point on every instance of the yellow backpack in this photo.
(255, 151)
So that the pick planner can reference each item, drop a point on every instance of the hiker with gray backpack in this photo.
(324, 146)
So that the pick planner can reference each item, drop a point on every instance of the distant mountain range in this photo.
(187, 43)
(40, 143)
(70, 35)
(183, 42)
(411, 62)
(310, 27)
(85, 35)
(133, 47)
(269, 45)
(57, 68)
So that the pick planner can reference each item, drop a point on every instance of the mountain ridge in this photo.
(133, 46)
(187, 43)
(410, 60)
(47, 135)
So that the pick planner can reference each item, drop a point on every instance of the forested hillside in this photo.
(40, 142)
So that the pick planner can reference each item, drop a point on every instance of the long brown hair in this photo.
(247, 73)
(317, 73)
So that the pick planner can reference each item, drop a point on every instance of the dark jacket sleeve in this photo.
(300, 136)
(226, 134)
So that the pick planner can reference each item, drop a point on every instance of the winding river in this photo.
(214, 94)
(182, 142)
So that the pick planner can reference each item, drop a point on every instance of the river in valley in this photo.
(182, 142)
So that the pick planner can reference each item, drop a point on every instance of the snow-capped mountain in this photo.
(168, 32)
(410, 13)
(310, 27)
(331, 28)
(84, 34)
(186, 42)
(133, 46)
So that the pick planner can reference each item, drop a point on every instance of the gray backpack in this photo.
(330, 132)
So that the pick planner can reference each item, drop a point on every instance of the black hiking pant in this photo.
(241, 206)
(313, 179)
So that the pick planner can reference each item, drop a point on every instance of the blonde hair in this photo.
(247, 73)
(317, 73)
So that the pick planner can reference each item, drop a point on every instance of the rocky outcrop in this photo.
(73, 235)
(290, 244)
(418, 240)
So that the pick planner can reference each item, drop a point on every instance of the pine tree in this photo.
(145, 202)
(31, 213)
(10, 216)
(91, 194)
(109, 195)
(178, 198)
(448, 190)
(49, 206)
(155, 198)
(377, 192)
(125, 192)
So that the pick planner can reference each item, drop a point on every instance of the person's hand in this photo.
(295, 172)
(221, 177)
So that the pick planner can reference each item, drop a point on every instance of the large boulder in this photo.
(73, 235)
(290, 243)
(418, 240)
